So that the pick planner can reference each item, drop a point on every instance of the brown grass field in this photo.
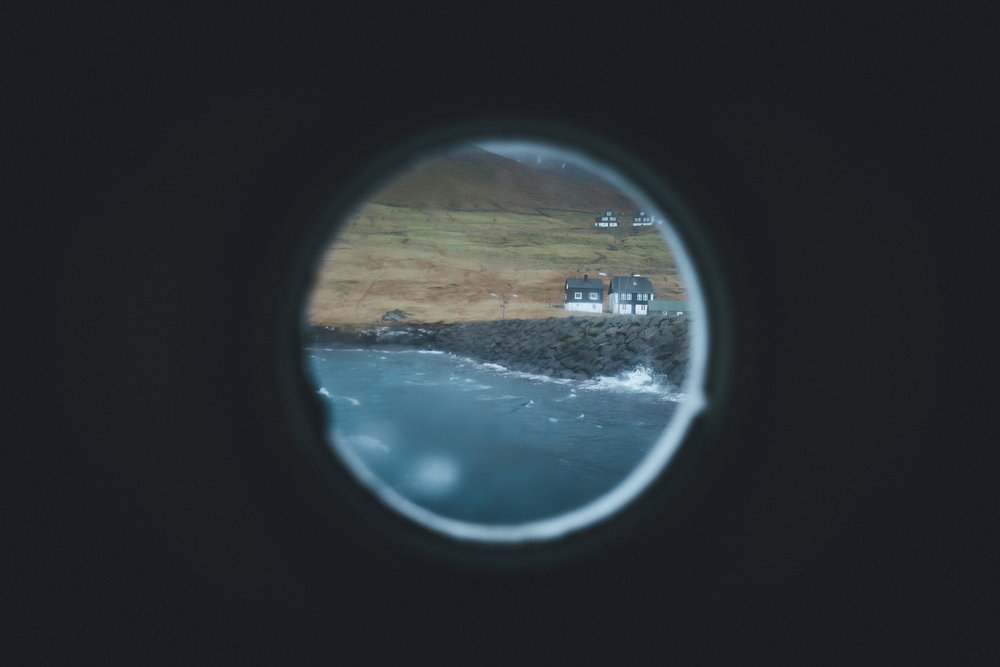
(441, 265)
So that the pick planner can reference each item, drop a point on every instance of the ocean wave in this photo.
(489, 364)
(503, 370)
(325, 393)
(638, 380)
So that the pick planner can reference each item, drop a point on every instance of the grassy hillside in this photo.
(420, 249)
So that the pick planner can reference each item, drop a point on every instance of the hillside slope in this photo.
(438, 242)
(481, 181)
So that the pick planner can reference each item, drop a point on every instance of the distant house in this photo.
(606, 219)
(585, 294)
(629, 295)
(642, 219)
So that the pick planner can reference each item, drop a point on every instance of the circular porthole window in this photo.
(509, 337)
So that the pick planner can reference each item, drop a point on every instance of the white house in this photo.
(630, 295)
(606, 219)
(585, 295)
(642, 219)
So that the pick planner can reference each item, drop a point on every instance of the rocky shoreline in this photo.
(563, 347)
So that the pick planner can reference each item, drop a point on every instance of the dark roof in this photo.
(630, 284)
(580, 283)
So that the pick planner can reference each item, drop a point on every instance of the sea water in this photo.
(475, 442)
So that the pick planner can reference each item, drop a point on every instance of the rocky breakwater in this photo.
(570, 347)
(563, 347)
(576, 347)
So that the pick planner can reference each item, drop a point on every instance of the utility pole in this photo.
(503, 296)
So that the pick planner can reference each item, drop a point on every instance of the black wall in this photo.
(159, 160)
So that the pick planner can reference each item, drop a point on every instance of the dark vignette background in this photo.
(850, 155)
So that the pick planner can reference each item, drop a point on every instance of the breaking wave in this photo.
(639, 380)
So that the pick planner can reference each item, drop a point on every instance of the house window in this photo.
(593, 296)
(577, 295)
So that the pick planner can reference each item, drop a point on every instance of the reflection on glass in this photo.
(503, 339)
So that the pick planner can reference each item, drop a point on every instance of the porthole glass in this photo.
(509, 338)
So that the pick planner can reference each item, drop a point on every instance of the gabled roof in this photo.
(630, 284)
(585, 283)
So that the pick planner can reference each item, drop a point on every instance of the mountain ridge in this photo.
(478, 180)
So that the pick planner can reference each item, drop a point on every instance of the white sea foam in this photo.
(639, 380)
(535, 377)
(323, 391)
(503, 370)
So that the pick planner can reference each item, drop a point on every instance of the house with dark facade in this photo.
(585, 295)
(630, 295)
(642, 219)
(606, 219)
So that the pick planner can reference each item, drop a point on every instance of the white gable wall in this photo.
(585, 307)
(616, 306)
